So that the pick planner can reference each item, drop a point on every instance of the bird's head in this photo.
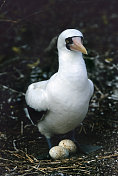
(71, 39)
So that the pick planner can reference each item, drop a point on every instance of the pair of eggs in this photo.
(63, 150)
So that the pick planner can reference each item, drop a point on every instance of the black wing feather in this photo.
(33, 115)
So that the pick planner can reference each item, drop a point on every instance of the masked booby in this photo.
(65, 96)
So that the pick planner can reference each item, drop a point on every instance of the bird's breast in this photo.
(68, 104)
(67, 96)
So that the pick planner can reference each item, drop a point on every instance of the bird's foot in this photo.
(43, 156)
(87, 149)
(46, 155)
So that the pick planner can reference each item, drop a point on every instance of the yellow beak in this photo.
(77, 45)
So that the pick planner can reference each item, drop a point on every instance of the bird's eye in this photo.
(82, 39)
(69, 40)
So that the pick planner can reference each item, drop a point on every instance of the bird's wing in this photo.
(36, 99)
(91, 87)
(33, 115)
(36, 96)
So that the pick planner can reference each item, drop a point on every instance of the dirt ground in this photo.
(26, 56)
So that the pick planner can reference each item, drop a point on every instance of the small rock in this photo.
(58, 152)
(69, 145)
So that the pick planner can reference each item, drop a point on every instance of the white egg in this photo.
(69, 145)
(58, 152)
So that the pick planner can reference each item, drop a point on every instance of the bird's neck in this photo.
(72, 65)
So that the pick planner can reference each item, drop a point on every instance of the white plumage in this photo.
(67, 93)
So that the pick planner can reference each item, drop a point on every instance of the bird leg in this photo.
(49, 142)
(72, 136)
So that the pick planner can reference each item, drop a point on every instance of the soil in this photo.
(26, 56)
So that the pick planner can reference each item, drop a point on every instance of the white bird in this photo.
(66, 95)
